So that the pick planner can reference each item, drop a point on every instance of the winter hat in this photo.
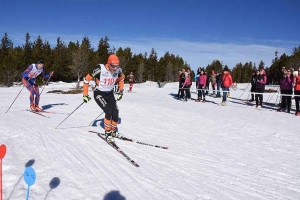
(225, 68)
(113, 60)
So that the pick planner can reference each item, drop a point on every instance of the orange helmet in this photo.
(113, 60)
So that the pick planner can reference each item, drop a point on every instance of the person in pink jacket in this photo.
(201, 86)
(187, 85)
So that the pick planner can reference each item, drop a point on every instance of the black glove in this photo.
(120, 95)
(86, 98)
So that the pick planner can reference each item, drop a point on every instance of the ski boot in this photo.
(38, 109)
(32, 107)
(109, 137)
(116, 134)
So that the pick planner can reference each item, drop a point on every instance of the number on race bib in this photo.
(109, 81)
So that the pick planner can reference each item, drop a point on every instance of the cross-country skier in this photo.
(28, 80)
(131, 81)
(105, 78)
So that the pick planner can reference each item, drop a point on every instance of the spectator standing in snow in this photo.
(226, 83)
(260, 88)
(201, 86)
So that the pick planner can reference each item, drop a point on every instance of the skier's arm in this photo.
(46, 75)
(88, 78)
(26, 73)
(120, 81)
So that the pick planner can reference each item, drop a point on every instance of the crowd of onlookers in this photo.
(289, 86)
(217, 80)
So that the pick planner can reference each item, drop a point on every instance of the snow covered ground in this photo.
(215, 152)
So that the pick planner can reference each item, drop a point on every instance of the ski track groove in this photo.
(106, 159)
(134, 178)
(65, 156)
(221, 167)
(143, 176)
(110, 162)
(125, 144)
(91, 170)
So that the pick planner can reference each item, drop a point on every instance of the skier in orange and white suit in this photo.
(105, 77)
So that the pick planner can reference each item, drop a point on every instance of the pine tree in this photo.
(27, 59)
(8, 72)
(103, 52)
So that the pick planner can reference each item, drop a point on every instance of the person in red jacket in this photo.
(297, 91)
(226, 84)
(131, 80)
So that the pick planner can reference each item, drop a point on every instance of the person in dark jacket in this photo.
(197, 77)
(260, 88)
(181, 82)
(219, 83)
(286, 86)
(253, 84)
(208, 80)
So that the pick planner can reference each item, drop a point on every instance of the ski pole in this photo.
(96, 118)
(68, 115)
(45, 84)
(15, 99)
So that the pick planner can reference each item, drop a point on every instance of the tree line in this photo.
(70, 62)
(241, 73)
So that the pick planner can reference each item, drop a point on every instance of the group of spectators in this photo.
(203, 80)
(289, 86)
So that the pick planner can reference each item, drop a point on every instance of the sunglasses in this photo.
(115, 66)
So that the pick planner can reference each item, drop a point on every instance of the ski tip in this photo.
(165, 147)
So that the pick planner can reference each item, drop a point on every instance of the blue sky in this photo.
(199, 31)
